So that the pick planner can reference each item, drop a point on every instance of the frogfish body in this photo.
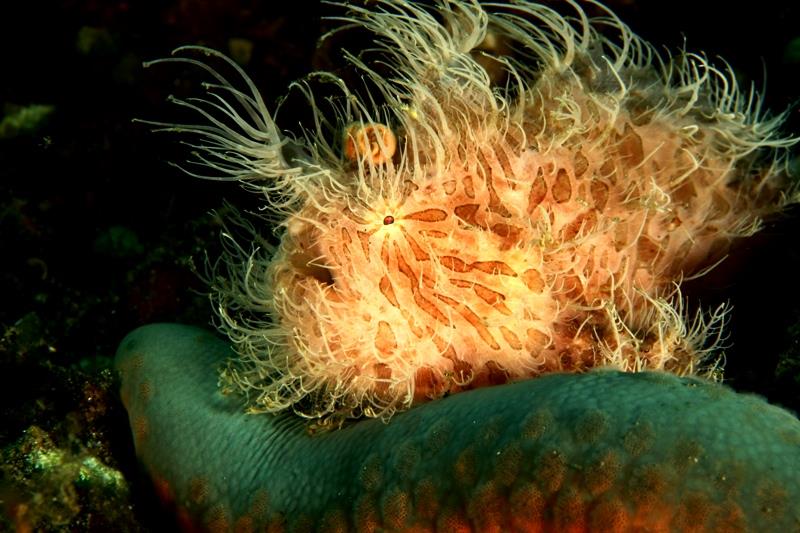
(474, 229)
(515, 192)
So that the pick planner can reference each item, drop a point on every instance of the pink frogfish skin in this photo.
(505, 212)
(516, 192)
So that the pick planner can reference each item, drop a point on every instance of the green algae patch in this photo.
(23, 120)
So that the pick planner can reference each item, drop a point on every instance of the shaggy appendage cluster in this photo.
(527, 198)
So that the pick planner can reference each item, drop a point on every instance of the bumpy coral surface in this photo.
(601, 452)
(521, 192)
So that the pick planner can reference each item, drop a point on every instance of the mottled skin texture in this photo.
(485, 228)
(603, 451)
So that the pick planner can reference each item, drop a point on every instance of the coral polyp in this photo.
(485, 213)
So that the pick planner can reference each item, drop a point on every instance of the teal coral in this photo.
(603, 451)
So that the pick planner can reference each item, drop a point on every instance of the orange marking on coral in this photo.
(562, 189)
(367, 518)
(396, 506)
(510, 464)
(449, 186)
(427, 215)
(473, 319)
(465, 467)
(601, 475)
(162, 488)
(489, 508)
(145, 390)
(260, 504)
(527, 508)
(370, 475)
(426, 499)
(244, 525)
(198, 491)
(333, 521)
(134, 362)
(551, 471)
(612, 516)
(186, 521)
(572, 510)
(494, 268)
(453, 521)
(217, 519)
(124, 392)
(140, 427)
